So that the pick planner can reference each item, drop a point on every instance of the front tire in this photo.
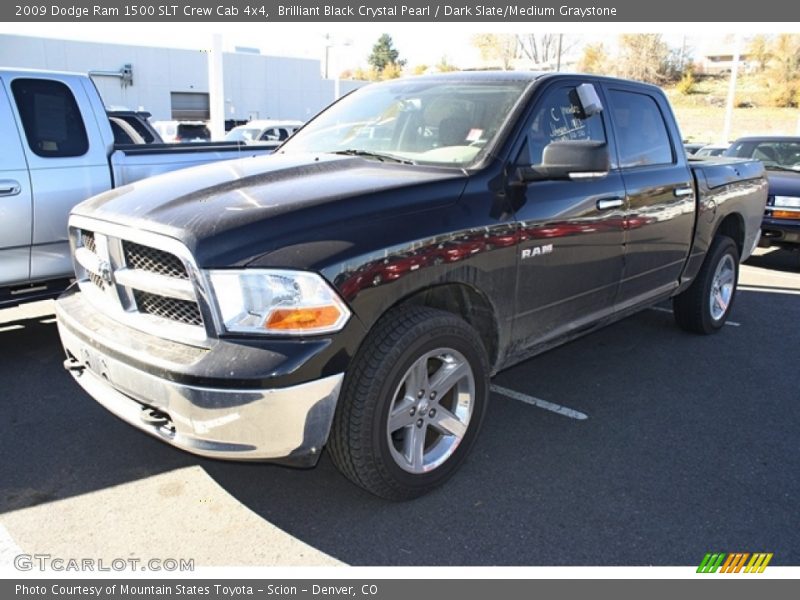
(705, 305)
(412, 403)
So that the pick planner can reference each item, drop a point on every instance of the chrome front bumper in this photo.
(289, 425)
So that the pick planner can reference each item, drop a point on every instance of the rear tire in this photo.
(705, 305)
(412, 403)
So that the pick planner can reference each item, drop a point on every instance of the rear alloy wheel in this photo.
(723, 285)
(412, 403)
(705, 305)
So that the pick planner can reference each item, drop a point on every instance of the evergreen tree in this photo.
(384, 53)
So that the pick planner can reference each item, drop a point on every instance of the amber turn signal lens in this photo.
(785, 214)
(320, 317)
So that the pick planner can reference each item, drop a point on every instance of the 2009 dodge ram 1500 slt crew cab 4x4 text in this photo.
(359, 287)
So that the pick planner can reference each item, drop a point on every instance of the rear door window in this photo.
(642, 137)
(50, 118)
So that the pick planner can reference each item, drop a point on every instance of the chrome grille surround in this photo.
(144, 280)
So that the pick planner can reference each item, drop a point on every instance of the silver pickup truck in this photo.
(58, 149)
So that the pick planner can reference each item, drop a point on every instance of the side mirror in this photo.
(570, 159)
(590, 101)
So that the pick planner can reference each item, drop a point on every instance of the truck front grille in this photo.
(172, 309)
(146, 286)
(88, 240)
(98, 281)
(154, 260)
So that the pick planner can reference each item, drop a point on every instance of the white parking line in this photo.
(757, 270)
(538, 402)
(8, 548)
(667, 310)
(767, 290)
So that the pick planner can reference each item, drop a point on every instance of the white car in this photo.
(174, 132)
(711, 150)
(259, 131)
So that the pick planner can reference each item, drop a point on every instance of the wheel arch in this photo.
(466, 302)
(732, 226)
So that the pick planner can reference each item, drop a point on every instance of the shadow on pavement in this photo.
(776, 259)
(690, 446)
(683, 452)
(55, 440)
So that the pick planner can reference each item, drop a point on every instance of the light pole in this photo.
(560, 39)
(327, 52)
(726, 129)
(216, 97)
(336, 80)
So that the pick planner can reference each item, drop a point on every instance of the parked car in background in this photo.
(692, 147)
(359, 291)
(60, 146)
(781, 158)
(124, 133)
(183, 132)
(711, 150)
(260, 131)
(139, 121)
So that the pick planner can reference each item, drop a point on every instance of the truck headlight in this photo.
(276, 301)
(787, 202)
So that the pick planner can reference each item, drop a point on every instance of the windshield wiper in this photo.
(376, 155)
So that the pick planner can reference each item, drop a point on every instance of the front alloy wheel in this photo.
(411, 404)
(431, 410)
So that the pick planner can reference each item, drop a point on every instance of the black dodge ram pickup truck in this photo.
(359, 288)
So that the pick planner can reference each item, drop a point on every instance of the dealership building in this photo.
(173, 83)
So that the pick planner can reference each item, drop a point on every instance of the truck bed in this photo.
(194, 147)
(720, 170)
(132, 162)
(725, 187)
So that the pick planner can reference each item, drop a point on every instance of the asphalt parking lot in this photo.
(690, 445)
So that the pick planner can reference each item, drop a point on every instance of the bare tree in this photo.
(785, 56)
(644, 56)
(783, 70)
(594, 59)
(497, 46)
(759, 51)
(545, 48)
(445, 66)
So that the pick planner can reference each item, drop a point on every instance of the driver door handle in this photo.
(609, 203)
(9, 187)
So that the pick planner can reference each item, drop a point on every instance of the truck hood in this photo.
(783, 183)
(232, 212)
